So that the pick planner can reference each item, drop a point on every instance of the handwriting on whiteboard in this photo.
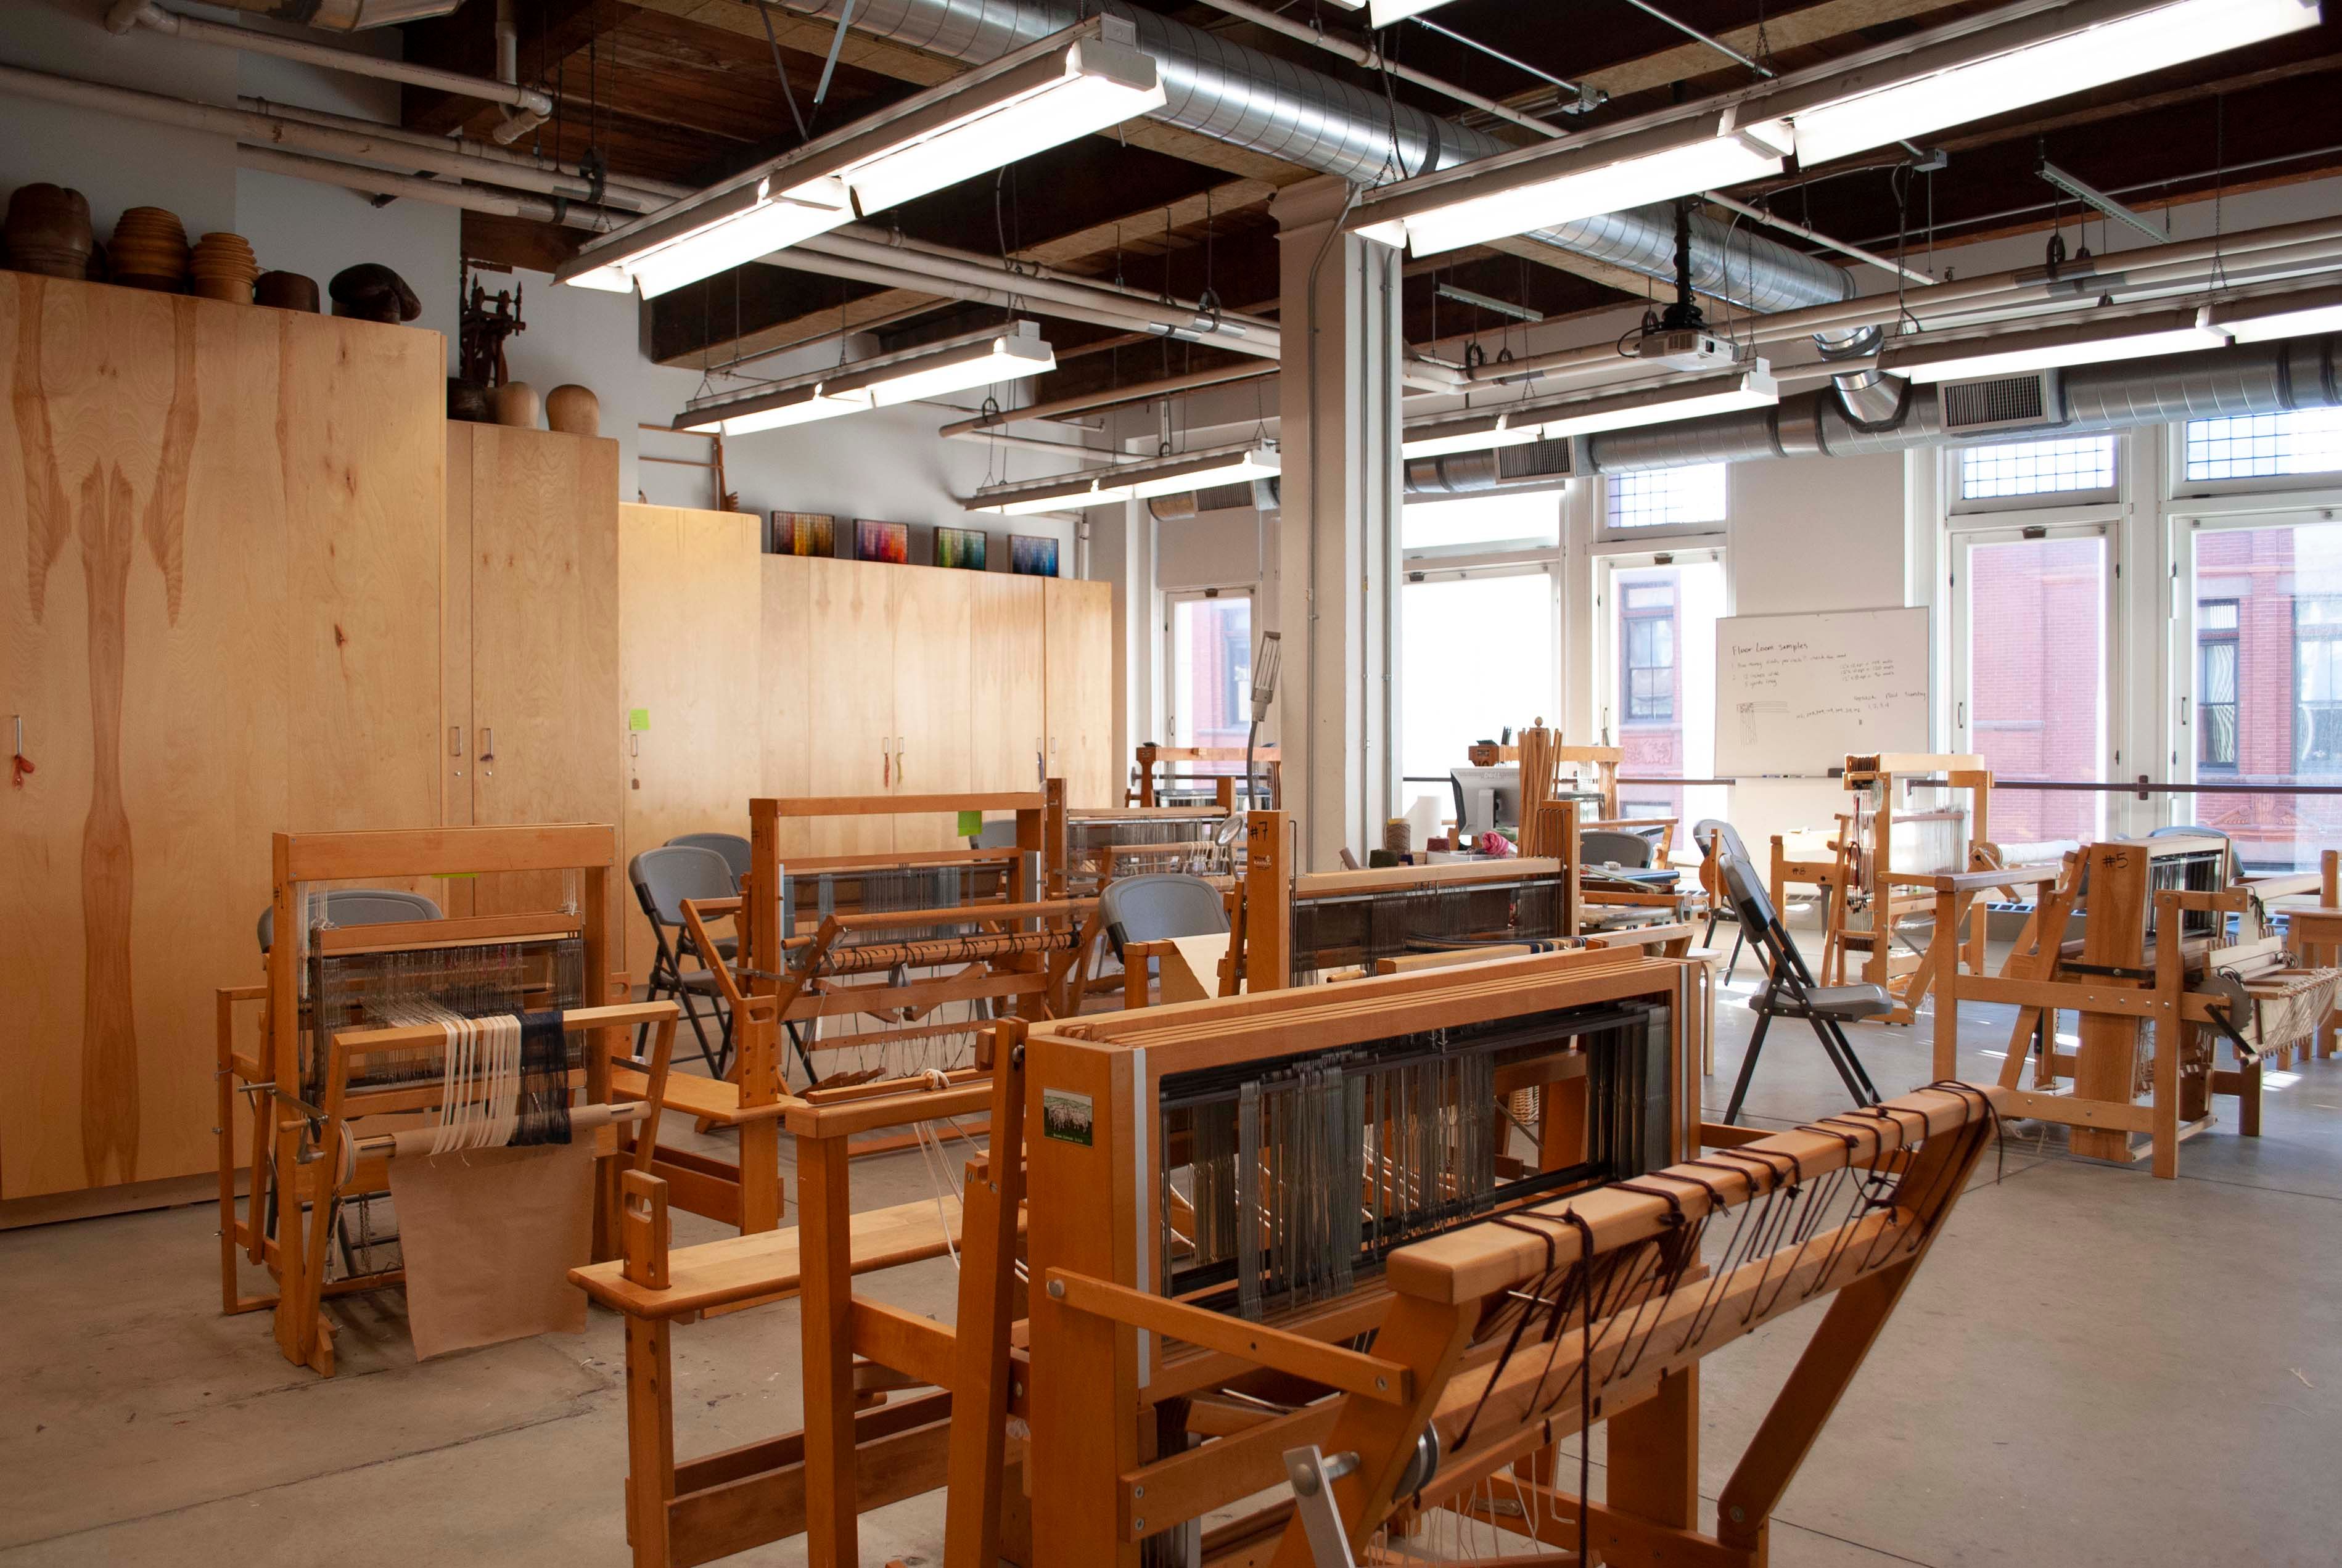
(1815, 683)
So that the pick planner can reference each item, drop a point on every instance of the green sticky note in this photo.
(971, 823)
(639, 718)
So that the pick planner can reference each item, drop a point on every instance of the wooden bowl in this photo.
(286, 291)
(233, 290)
(517, 405)
(149, 250)
(48, 232)
(573, 410)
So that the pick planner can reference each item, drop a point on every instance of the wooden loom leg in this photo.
(225, 1020)
(825, 1284)
(650, 1439)
(1827, 1364)
(988, 1294)
(1653, 1455)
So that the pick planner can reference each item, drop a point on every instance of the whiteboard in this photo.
(1796, 693)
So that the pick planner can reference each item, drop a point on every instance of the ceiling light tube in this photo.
(2069, 50)
(1383, 13)
(2275, 316)
(1520, 196)
(974, 359)
(1470, 433)
(1135, 481)
(1056, 90)
(2056, 347)
(1755, 388)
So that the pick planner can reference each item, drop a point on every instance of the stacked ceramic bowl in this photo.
(47, 231)
(149, 250)
(222, 267)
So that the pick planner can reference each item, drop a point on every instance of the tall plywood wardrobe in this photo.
(251, 581)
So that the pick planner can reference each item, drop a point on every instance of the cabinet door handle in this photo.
(900, 774)
(488, 744)
(454, 740)
(886, 765)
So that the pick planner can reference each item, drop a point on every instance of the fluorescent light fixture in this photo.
(1133, 482)
(1469, 433)
(2056, 347)
(2129, 41)
(975, 359)
(2275, 316)
(1057, 90)
(1628, 171)
(1383, 13)
(1102, 85)
(1656, 404)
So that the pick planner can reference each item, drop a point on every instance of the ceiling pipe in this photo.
(126, 14)
(503, 165)
(1033, 443)
(270, 130)
(440, 192)
(346, 15)
(1119, 397)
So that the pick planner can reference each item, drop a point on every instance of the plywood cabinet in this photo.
(851, 675)
(222, 531)
(1008, 713)
(536, 717)
(690, 622)
(1078, 621)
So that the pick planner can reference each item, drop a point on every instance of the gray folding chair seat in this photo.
(999, 832)
(737, 854)
(360, 906)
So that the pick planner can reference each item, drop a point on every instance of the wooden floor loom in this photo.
(1293, 928)
(2159, 980)
(915, 951)
(1205, 1325)
(1575, 1062)
(350, 1056)
(1898, 850)
(1102, 844)
(1151, 788)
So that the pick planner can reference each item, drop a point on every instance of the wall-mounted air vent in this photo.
(1537, 459)
(2025, 402)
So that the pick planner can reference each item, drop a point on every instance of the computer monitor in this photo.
(1487, 799)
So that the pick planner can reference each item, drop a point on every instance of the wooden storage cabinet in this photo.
(534, 733)
(1079, 617)
(221, 526)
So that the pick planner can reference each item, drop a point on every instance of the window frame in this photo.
(1610, 533)
(1609, 559)
(1431, 567)
(2106, 499)
(1630, 620)
(2328, 634)
(1962, 543)
(2229, 637)
(1167, 658)
(2324, 484)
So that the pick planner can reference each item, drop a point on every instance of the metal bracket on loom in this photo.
(1313, 1475)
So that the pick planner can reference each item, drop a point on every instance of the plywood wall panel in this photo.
(171, 474)
(785, 688)
(1008, 718)
(850, 673)
(545, 640)
(935, 676)
(690, 620)
(1079, 617)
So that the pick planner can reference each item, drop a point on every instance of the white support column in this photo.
(1339, 406)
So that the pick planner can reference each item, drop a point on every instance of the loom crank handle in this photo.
(1312, 1476)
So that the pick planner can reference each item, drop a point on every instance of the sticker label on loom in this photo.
(1067, 1118)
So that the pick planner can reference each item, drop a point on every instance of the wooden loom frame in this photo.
(1098, 1380)
(2164, 988)
(767, 991)
(276, 1170)
(1145, 758)
(1893, 894)
(850, 1457)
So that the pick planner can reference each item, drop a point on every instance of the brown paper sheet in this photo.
(489, 1237)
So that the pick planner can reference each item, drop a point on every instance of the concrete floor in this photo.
(2093, 1368)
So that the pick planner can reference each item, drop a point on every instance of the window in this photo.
(2067, 468)
(1648, 652)
(2033, 623)
(2216, 684)
(1209, 670)
(2317, 684)
(1476, 656)
(2264, 445)
(1481, 520)
(1660, 654)
(1667, 498)
(2267, 645)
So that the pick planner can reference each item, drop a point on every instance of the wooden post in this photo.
(826, 1291)
(2115, 937)
(988, 1292)
(1949, 906)
(1268, 902)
